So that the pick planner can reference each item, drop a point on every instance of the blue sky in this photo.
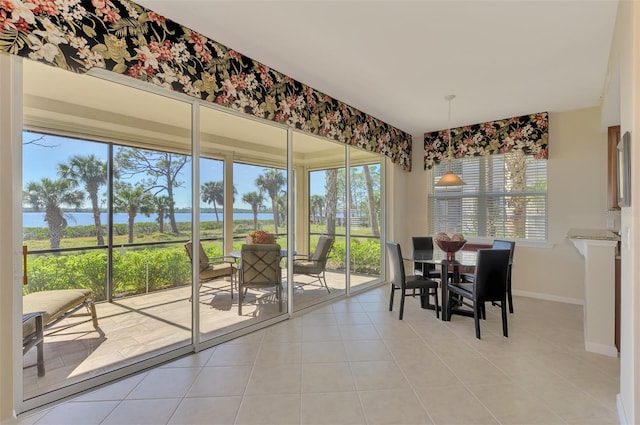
(40, 161)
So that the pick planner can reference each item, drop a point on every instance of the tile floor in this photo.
(354, 362)
(140, 327)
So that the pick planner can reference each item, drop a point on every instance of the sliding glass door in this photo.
(107, 199)
(116, 177)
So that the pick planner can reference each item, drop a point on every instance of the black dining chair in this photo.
(400, 281)
(500, 244)
(490, 284)
(423, 249)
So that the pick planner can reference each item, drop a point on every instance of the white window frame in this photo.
(475, 171)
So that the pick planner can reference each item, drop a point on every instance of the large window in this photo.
(504, 196)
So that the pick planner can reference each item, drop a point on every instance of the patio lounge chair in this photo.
(41, 310)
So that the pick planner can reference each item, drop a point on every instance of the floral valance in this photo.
(529, 133)
(125, 38)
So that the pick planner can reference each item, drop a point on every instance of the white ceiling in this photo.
(397, 60)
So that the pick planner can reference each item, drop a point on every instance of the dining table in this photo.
(238, 254)
(448, 268)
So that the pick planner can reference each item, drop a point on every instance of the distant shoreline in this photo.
(33, 219)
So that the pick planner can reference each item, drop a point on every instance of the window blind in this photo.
(504, 196)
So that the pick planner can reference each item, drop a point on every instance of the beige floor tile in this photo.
(157, 411)
(364, 350)
(396, 331)
(382, 316)
(409, 349)
(321, 333)
(319, 319)
(393, 407)
(358, 332)
(327, 377)
(603, 389)
(352, 318)
(522, 367)
(319, 352)
(165, 383)
(115, 391)
(220, 381)
(287, 331)
(513, 404)
(78, 412)
(571, 405)
(276, 379)
(347, 306)
(273, 353)
(428, 372)
(475, 370)
(376, 306)
(342, 408)
(279, 409)
(454, 405)
(303, 370)
(234, 354)
(206, 410)
(378, 375)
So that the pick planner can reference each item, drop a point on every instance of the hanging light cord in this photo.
(450, 150)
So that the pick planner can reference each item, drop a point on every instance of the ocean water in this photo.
(36, 219)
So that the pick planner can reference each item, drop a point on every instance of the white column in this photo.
(599, 294)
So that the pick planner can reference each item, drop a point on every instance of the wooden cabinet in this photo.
(613, 137)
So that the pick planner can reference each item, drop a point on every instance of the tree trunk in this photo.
(96, 217)
(274, 208)
(161, 221)
(132, 217)
(57, 224)
(255, 217)
(373, 216)
(215, 209)
(172, 212)
(331, 193)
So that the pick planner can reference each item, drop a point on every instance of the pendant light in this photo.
(449, 178)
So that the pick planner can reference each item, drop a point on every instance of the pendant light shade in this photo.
(449, 178)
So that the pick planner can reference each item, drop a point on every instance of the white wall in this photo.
(576, 198)
(624, 66)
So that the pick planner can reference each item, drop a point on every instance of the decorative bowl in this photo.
(450, 247)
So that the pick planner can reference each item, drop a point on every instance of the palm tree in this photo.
(162, 209)
(317, 204)
(331, 193)
(255, 199)
(52, 195)
(271, 182)
(93, 173)
(213, 193)
(130, 199)
(373, 210)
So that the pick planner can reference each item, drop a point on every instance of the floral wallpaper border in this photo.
(126, 38)
(529, 133)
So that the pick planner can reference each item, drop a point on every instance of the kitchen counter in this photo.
(594, 234)
(598, 247)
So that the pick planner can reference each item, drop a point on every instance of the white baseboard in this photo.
(605, 350)
(621, 416)
(548, 297)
